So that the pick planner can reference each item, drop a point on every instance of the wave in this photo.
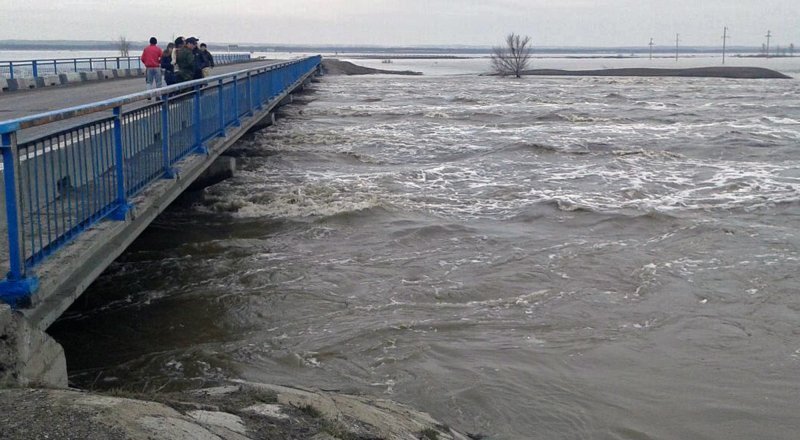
(300, 202)
(649, 154)
(568, 117)
(541, 148)
(546, 208)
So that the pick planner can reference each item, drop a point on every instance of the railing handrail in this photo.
(66, 59)
(132, 57)
(13, 125)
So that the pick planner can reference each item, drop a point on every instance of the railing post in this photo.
(199, 148)
(17, 285)
(91, 67)
(169, 172)
(221, 99)
(236, 121)
(250, 105)
(121, 213)
(118, 65)
(35, 68)
(55, 67)
(260, 90)
(75, 62)
(11, 69)
(105, 63)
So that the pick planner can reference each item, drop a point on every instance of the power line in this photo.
(769, 35)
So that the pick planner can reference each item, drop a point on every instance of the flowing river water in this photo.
(545, 258)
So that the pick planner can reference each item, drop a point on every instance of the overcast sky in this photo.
(408, 22)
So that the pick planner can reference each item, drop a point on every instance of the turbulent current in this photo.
(545, 258)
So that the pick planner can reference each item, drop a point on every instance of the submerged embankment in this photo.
(696, 72)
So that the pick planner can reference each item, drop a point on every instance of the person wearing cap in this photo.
(185, 60)
(151, 58)
(200, 61)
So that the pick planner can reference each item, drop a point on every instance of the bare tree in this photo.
(123, 46)
(513, 58)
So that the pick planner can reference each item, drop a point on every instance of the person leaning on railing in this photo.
(151, 58)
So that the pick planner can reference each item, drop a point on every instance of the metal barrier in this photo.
(59, 185)
(45, 67)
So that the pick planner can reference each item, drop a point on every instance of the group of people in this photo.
(181, 61)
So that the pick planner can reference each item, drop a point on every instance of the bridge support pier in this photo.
(266, 121)
(224, 167)
(287, 100)
(28, 357)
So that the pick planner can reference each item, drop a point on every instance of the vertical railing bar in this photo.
(46, 183)
(97, 166)
(82, 178)
(36, 163)
(250, 105)
(22, 190)
(122, 200)
(104, 135)
(198, 135)
(236, 102)
(221, 110)
(30, 189)
(165, 134)
(128, 132)
(57, 154)
(71, 177)
(49, 153)
(92, 188)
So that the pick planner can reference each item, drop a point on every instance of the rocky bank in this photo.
(236, 411)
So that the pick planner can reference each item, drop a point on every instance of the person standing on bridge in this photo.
(208, 60)
(186, 61)
(151, 58)
(167, 66)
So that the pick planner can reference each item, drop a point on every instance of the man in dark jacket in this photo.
(185, 61)
(208, 59)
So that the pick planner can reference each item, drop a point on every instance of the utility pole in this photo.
(769, 35)
(724, 43)
(651, 48)
(677, 44)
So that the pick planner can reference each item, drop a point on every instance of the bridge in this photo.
(81, 183)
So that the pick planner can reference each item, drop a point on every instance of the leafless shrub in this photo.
(514, 57)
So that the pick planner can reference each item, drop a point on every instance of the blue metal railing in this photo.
(59, 185)
(45, 67)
